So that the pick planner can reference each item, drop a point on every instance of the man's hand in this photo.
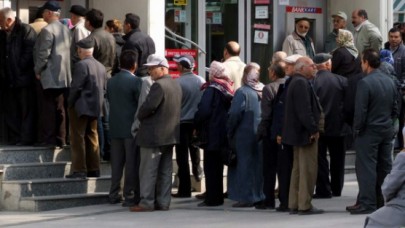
(38, 76)
(278, 138)
(314, 137)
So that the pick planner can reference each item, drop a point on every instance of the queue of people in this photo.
(110, 96)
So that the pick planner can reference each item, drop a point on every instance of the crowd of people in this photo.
(109, 96)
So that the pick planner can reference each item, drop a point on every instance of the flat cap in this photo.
(340, 14)
(292, 58)
(85, 43)
(187, 61)
(51, 5)
(78, 10)
(156, 60)
(321, 58)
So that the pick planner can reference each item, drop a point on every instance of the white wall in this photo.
(151, 13)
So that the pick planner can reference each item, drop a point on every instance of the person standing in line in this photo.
(299, 42)
(114, 27)
(301, 130)
(79, 32)
(331, 90)
(39, 21)
(52, 68)
(366, 34)
(191, 94)
(159, 130)
(137, 41)
(339, 22)
(376, 108)
(233, 63)
(85, 106)
(123, 92)
(245, 179)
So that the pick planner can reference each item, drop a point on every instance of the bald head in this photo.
(306, 67)
(359, 16)
(232, 48)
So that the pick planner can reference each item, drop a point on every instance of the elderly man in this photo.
(77, 14)
(375, 111)
(339, 22)
(17, 41)
(299, 42)
(233, 63)
(331, 89)
(85, 105)
(301, 130)
(159, 130)
(52, 68)
(191, 94)
(366, 34)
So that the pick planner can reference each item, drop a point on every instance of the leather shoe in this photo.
(161, 208)
(200, 196)
(138, 208)
(177, 195)
(352, 207)
(114, 200)
(77, 175)
(282, 209)
(311, 211)
(95, 173)
(360, 210)
(263, 206)
(204, 204)
(241, 205)
(293, 211)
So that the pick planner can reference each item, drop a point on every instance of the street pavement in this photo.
(185, 213)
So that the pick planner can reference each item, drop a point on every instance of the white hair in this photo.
(8, 13)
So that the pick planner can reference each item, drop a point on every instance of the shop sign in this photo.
(180, 2)
(214, 18)
(170, 53)
(298, 9)
(262, 26)
(180, 16)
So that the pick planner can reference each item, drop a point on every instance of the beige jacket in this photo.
(293, 44)
(235, 67)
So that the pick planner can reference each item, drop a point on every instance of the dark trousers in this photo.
(336, 148)
(20, 114)
(277, 161)
(125, 157)
(84, 143)
(373, 163)
(213, 169)
(182, 151)
(52, 117)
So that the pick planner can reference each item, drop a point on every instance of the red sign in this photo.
(170, 53)
(262, 26)
(262, 2)
(298, 9)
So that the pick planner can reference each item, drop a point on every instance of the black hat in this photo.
(187, 61)
(85, 43)
(321, 58)
(51, 5)
(78, 10)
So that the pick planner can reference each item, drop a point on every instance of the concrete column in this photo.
(151, 12)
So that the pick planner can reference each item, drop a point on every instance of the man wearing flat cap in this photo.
(52, 68)
(339, 22)
(190, 85)
(85, 103)
(77, 14)
(330, 88)
(299, 42)
(159, 130)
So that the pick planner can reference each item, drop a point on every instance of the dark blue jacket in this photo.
(212, 117)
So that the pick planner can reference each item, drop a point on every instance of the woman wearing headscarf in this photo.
(245, 179)
(210, 120)
(345, 58)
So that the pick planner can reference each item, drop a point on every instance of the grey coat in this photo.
(393, 190)
(52, 56)
(88, 86)
(159, 115)
(399, 62)
(368, 36)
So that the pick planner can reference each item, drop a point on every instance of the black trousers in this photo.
(20, 114)
(277, 161)
(213, 169)
(182, 151)
(337, 153)
(125, 157)
(52, 116)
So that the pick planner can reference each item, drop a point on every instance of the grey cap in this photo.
(321, 58)
(51, 5)
(156, 60)
(340, 14)
(186, 61)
